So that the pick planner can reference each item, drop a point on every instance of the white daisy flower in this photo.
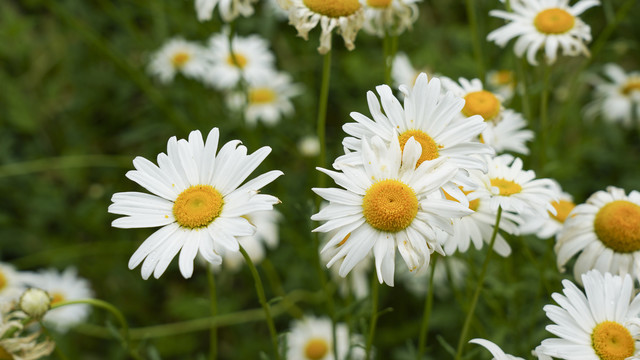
(548, 24)
(605, 232)
(547, 227)
(514, 189)
(11, 283)
(502, 82)
(63, 286)
(387, 202)
(279, 8)
(617, 98)
(229, 9)
(477, 101)
(508, 133)
(345, 15)
(268, 98)
(309, 146)
(357, 280)
(494, 349)
(389, 16)
(596, 324)
(251, 53)
(310, 338)
(417, 282)
(402, 71)
(197, 200)
(179, 56)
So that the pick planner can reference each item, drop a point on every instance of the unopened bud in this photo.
(35, 302)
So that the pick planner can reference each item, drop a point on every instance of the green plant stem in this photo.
(213, 335)
(390, 48)
(276, 284)
(426, 315)
(544, 116)
(263, 301)
(375, 287)
(63, 162)
(322, 114)
(522, 87)
(475, 38)
(57, 350)
(476, 294)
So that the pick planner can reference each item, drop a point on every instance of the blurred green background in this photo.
(77, 105)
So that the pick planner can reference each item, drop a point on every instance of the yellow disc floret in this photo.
(316, 349)
(617, 225)
(507, 187)
(379, 3)
(473, 204)
(197, 206)
(429, 146)
(333, 8)
(633, 84)
(239, 61)
(262, 96)
(482, 103)
(3, 281)
(57, 297)
(612, 341)
(554, 21)
(390, 205)
(563, 208)
(179, 59)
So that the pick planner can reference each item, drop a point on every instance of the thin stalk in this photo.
(522, 87)
(213, 335)
(428, 305)
(63, 162)
(57, 350)
(474, 301)
(390, 47)
(374, 313)
(263, 301)
(544, 115)
(475, 38)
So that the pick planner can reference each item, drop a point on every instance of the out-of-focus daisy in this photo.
(310, 338)
(345, 15)
(389, 16)
(594, 325)
(229, 9)
(514, 189)
(508, 133)
(279, 8)
(403, 73)
(605, 232)
(417, 282)
(547, 227)
(197, 199)
(547, 24)
(64, 286)
(494, 349)
(179, 56)
(11, 283)
(252, 60)
(387, 202)
(20, 345)
(356, 282)
(617, 98)
(268, 98)
(502, 82)
(309, 146)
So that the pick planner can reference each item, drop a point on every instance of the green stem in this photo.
(474, 301)
(374, 313)
(63, 162)
(544, 115)
(522, 87)
(213, 336)
(263, 301)
(428, 305)
(475, 37)
(390, 47)
(58, 351)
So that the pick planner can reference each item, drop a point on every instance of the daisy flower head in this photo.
(179, 56)
(345, 15)
(63, 286)
(310, 338)
(617, 97)
(250, 59)
(502, 82)
(498, 354)
(198, 198)
(229, 9)
(547, 24)
(547, 227)
(11, 283)
(594, 324)
(309, 146)
(477, 100)
(403, 72)
(604, 233)
(389, 16)
(388, 202)
(357, 281)
(509, 133)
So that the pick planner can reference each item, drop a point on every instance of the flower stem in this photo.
(390, 47)
(428, 304)
(57, 350)
(474, 301)
(213, 336)
(322, 114)
(475, 38)
(374, 313)
(263, 301)
(544, 115)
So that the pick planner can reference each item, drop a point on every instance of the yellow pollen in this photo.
(179, 59)
(240, 61)
(563, 208)
(473, 204)
(262, 96)
(379, 3)
(389, 205)
(429, 146)
(632, 85)
(316, 349)
(612, 341)
(197, 206)
(3, 281)
(507, 187)
(5, 355)
(503, 77)
(554, 21)
(344, 240)
(333, 8)
(617, 225)
(56, 297)
(482, 103)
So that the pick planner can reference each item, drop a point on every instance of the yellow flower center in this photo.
(617, 225)
(5, 355)
(179, 59)
(554, 21)
(632, 85)
(262, 96)
(503, 77)
(197, 206)
(3, 281)
(563, 208)
(507, 187)
(240, 60)
(390, 205)
(612, 341)
(57, 297)
(333, 8)
(473, 204)
(482, 103)
(316, 349)
(379, 3)
(429, 146)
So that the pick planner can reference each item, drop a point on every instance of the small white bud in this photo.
(35, 302)
(309, 146)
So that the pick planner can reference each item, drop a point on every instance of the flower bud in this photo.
(35, 302)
